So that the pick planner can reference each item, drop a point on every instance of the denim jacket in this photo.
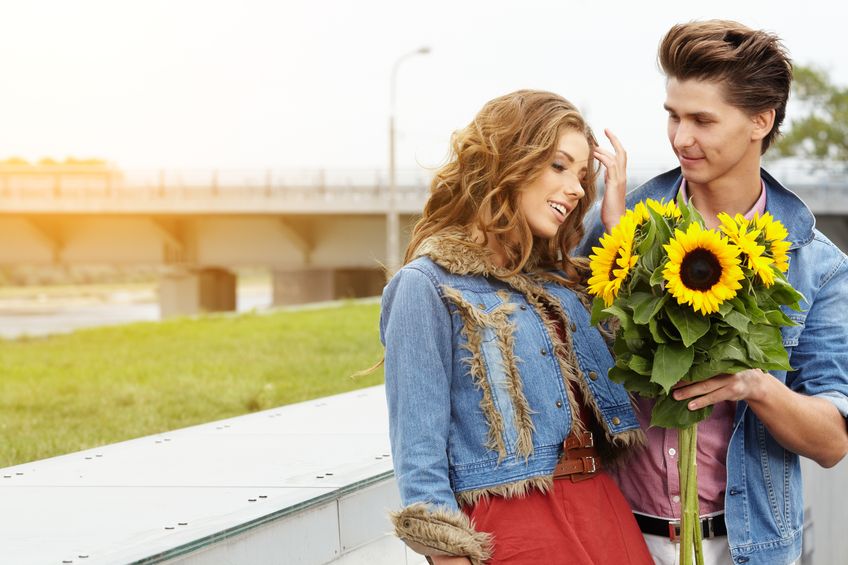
(764, 507)
(477, 384)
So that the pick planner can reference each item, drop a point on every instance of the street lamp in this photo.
(392, 216)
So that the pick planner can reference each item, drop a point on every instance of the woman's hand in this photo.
(615, 181)
(450, 560)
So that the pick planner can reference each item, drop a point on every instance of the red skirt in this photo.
(583, 523)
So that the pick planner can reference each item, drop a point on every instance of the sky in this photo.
(302, 85)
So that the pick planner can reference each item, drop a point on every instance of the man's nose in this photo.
(683, 137)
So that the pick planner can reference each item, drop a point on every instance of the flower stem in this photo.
(690, 526)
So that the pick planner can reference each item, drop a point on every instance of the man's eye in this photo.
(673, 118)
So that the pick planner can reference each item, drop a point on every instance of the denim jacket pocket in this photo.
(791, 334)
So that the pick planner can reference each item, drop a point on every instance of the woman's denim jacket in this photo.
(477, 388)
(764, 507)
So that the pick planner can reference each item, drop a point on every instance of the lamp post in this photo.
(392, 216)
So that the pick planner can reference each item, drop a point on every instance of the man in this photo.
(726, 92)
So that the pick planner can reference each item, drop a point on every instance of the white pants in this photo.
(665, 552)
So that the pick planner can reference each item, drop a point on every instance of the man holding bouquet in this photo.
(726, 92)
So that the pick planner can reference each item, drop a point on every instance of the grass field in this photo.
(92, 387)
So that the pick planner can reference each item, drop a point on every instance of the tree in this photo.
(820, 130)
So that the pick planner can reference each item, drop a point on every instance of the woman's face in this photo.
(550, 198)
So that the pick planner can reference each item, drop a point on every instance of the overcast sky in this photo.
(301, 85)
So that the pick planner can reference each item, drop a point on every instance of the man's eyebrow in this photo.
(709, 115)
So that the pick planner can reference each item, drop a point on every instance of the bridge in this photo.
(321, 233)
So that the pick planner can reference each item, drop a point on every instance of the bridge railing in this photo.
(334, 191)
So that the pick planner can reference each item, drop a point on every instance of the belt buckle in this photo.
(674, 531)
(710, 533)
(590, 441)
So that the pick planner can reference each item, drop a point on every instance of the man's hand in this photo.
(807, 425)
(749, 385)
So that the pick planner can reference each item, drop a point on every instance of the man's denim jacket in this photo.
(764, 507)
(477, 383)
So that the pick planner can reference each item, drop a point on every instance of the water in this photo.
(41, 316)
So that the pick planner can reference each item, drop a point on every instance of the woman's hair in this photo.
(507, 146)
(752, 66)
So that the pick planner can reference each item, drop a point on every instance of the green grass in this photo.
(65, 393)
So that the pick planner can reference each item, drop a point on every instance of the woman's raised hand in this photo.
(615, 181)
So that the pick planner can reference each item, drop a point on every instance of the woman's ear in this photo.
(763, 122)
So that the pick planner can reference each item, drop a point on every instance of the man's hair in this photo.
(752, 66)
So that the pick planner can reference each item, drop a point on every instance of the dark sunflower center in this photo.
(700, 270)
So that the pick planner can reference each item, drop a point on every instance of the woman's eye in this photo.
(558, 167)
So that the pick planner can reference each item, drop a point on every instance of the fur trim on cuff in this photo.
(436, 531)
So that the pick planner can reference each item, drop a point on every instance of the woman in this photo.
(501, 415)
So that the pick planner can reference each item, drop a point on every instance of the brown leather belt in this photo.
(580, 459)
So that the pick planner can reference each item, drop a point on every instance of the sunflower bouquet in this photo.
(690, 303)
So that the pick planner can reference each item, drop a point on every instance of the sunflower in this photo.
(640, 213)
(776, 236)
(746, 237)
(613, 260)
(703, 268)
(668, 209)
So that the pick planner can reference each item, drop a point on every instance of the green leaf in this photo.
(640, 365)
(716, 367)
(783, 293)
(637, 299)
(765, 346)
(657, 277)
(598, 314)
(656, 333)
(779, 318)
(671, 363)
(689, 323)
(731, 349)
(738, 320)
(671, 413)
(623, 317)
(633, 381)
(725, 308)
(644, 311)
(753, 311)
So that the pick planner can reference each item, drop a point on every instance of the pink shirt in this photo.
(650, 481)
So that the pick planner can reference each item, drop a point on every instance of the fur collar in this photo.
(458, 254)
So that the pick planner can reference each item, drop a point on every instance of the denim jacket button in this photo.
(573, 327)
(616, 421)
(742, 559)
(733, 491)
(523, 307)
(543, 351)
(559, 403)
(593, 375)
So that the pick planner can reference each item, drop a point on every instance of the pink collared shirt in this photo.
(650, 481)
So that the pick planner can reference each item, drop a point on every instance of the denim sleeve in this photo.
(820, 359)
(593, 230)
(415, 327)
(416, 330)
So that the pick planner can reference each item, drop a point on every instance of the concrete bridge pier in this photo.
(321, 284)
(188, 291)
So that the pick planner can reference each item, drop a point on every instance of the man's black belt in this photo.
(712, 526)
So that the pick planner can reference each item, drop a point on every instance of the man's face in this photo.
(712, 139)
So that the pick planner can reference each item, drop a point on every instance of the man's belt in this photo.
(580, 459)
(712, 526)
